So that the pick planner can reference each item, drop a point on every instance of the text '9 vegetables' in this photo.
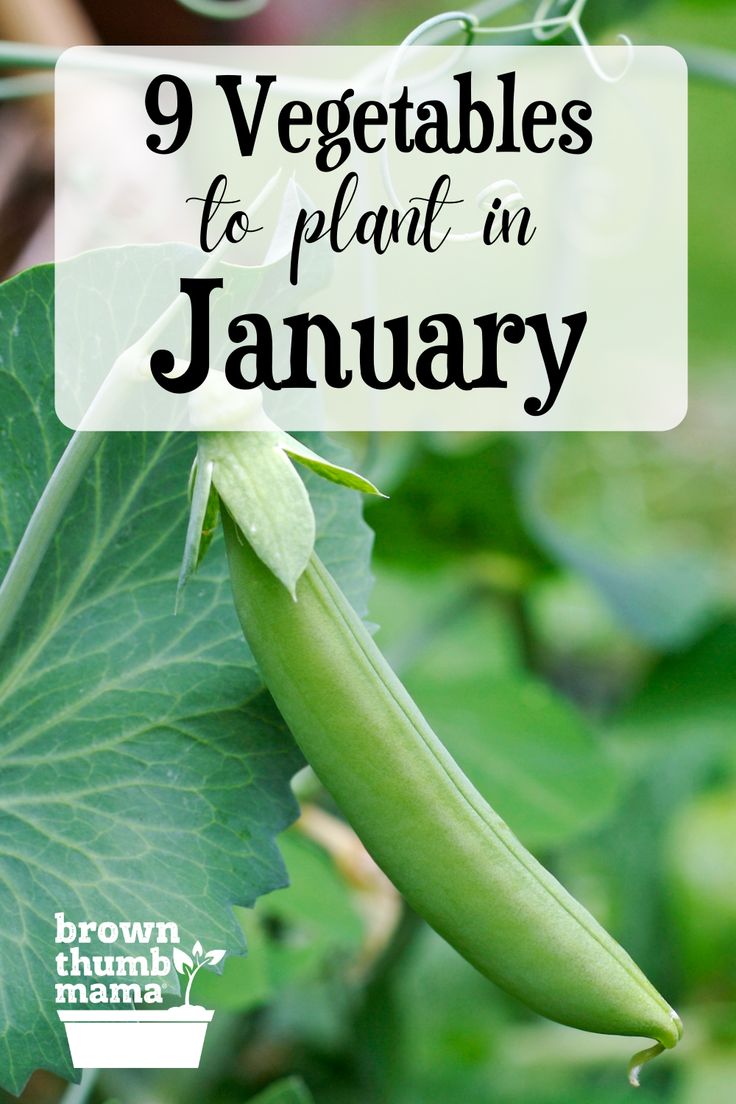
(452, 857)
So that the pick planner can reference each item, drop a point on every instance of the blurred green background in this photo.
(563, 609)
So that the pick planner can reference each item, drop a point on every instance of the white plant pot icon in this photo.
(167, 1039)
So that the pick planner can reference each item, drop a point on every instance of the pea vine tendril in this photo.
(544, 27)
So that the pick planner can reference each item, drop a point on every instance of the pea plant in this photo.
(190, 757)
(148, 751)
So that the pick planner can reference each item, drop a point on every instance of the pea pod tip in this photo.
(641, 1058)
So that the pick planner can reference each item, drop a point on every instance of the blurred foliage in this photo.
(290, 1091)
(641, 518)
(293, 935)
(701, 860)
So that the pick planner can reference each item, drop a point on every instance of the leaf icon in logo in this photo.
(184, 964)
(182, 961)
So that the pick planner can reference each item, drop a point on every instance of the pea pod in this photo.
(452, 857)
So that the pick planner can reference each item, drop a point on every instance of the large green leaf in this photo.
(449, 501)
(701, 864)
(531, 753)
(641, 517)
(145, 770)
(689, 698)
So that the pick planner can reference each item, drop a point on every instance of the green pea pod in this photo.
(452, 857)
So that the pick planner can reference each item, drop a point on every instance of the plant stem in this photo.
(189, 983)
(26, 55)
(404, 934)
(377, 1023)
(517, 607)
(27, 84)
(44, 521)
(711, 64)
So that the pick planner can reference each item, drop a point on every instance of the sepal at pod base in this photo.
(251, 471)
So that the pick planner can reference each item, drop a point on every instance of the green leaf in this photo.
(451, 503)
(343, 538)
(528, 751)
(145, 770)
(318, 928)
(689, 698)
(245, 982)
(291, 1090)
(328, 470)
(611, 507)
(452, 1023)
(701, 864)
(318, 918)
(460, 632)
